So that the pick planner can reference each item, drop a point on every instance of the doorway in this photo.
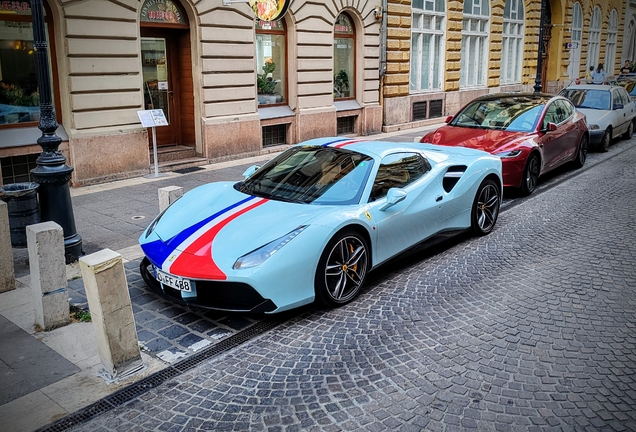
(167, 83)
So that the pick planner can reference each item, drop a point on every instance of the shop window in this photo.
(474, 56)
(512, 42)
(19, 95)
(271, 62)
(274, 135)
(344, 55)
(427, 45)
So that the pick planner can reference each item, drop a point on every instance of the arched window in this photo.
(574, 68)
(427, 44)
(19, 94)
(610, 44)
(475, 29)
(344, 54)
(271, 62)
(594, 40)
(512, 42)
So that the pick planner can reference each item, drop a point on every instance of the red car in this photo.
(532, 133)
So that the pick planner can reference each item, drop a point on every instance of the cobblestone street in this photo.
(530, 328)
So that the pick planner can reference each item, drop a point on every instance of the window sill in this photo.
(275, 112)
(25, 136)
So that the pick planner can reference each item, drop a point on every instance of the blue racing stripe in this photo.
(335, 141)
(158, 251)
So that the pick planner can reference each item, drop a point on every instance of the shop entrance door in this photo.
(167, 83)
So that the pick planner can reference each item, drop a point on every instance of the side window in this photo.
(550, 116)
(625, 96)
(616, 98)
(397, 171)
(567, 108)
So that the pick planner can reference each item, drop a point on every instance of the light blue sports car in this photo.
(312, 222)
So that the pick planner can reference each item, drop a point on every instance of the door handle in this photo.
(438, 199)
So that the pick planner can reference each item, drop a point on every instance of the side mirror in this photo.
(393, 196)
(251, 170)
(448, 119)
(551, 127)
(619, 106)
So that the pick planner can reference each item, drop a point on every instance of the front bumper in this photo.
(217, 295)
(596, 136)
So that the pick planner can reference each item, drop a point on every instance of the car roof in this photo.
(591, 87)
(539, 97)
(368, 147)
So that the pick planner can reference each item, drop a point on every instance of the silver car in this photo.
(609, 110)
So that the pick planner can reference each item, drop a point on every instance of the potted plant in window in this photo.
(266, 85)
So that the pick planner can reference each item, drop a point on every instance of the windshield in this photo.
(588, 98)
(311, 174)
(513, 114)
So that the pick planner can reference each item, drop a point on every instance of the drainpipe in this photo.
(383, 30)
(537, 81)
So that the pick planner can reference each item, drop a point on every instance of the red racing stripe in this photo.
(342, 144)
(196, 260)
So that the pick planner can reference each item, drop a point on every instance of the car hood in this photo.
(202, 234)
(602, 118)
(491, 141)
(238, 221)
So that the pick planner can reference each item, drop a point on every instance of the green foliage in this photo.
(80, 315)
(265, 84)
(341, 83)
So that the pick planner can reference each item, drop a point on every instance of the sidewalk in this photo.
(47, 375)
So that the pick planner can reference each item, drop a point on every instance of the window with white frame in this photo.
(427, 44)
(475, 29)
(594, 41)
(610, 44)
(512, 42)
(574, 68)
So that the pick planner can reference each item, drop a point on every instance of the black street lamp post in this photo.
(537, 81)
(51, 171)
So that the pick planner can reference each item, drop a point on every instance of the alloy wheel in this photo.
(345, 269)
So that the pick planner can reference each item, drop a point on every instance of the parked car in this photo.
(531, 133)
(609, 109)
(312, 222)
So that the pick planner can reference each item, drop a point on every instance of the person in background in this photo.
(626, 68)
(598, 76)
(589, 75)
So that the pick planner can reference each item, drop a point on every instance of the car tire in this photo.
(581, 154)
(606, 140)
(530, 175)
(630, 131)
(485, 208)
(342, 269)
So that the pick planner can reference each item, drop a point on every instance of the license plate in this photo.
(173, 281)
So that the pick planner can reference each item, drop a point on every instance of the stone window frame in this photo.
(475, 32)
(512, 42)
(574, 68)
(610, 42)
(436, 30)
(594, 38)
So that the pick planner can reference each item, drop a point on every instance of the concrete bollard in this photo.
(168, 195)
(7, 273)
(111, 311)
(45, 242)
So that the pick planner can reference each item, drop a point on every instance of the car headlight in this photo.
(509, 154)
(593, 127)
(258, 256)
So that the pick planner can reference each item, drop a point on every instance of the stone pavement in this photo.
(531, 328)
(114, 215)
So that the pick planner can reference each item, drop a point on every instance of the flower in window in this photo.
(265, 81)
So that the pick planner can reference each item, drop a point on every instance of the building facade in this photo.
(233, 82)
(441, 54)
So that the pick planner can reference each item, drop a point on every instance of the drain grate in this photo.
(188, 170)
(155, 380)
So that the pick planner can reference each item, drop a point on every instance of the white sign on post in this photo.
(152, 119)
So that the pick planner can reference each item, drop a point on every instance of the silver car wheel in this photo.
(345, 269)
(487, 208)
